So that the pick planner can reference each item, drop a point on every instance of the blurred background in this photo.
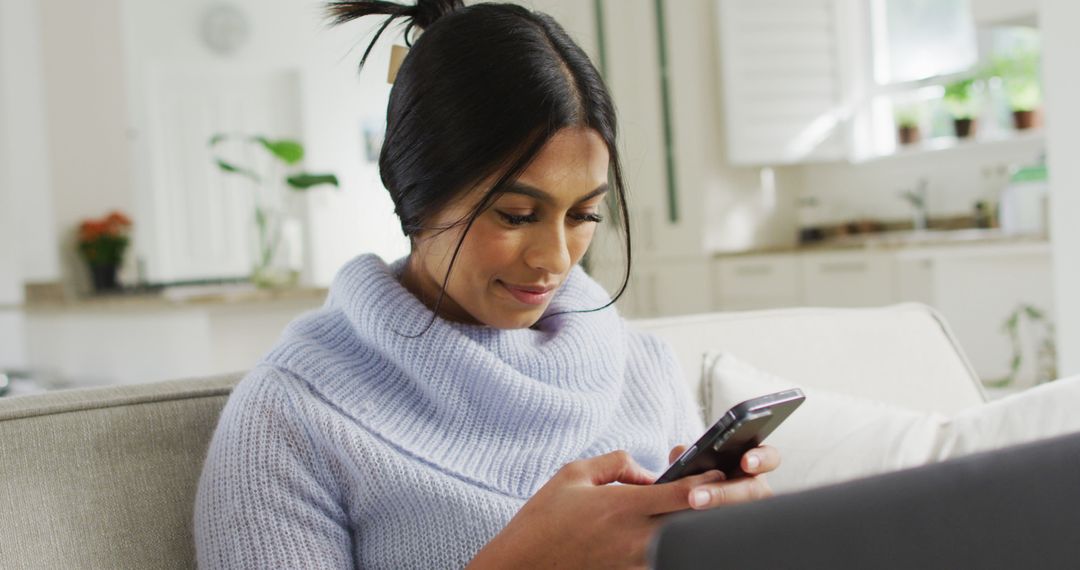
(178, 180)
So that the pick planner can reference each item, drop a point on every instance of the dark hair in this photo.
(481, 91)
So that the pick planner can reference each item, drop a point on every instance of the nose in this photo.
(549, 251)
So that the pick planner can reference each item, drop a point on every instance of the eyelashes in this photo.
(515, 220)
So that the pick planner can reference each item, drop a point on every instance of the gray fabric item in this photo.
(105, 477)
(1012, 508)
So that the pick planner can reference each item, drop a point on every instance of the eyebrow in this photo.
(534, 192)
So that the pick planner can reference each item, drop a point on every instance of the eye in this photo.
(515, 220)
(587, 217)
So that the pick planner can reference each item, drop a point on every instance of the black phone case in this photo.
(739, 430)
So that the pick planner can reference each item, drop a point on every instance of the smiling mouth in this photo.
(529, 295)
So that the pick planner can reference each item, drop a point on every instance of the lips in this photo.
(530, 294)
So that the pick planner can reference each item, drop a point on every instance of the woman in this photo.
(473, 402)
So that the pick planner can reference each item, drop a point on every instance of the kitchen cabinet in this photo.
(975, 288)
(848, 279)
(757, 282)
(659, 288)
(675, 287)
(672, 268)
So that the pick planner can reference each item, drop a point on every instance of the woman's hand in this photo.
(578, 520)
(755, 463)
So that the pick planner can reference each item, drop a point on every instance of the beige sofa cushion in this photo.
(105, 477)
(836, 437)
(903, 355)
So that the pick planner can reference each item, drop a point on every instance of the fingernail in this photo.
(753, 461)
(699, 498)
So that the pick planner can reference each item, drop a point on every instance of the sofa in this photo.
(106, 477)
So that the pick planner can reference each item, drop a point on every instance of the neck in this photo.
(430, 292)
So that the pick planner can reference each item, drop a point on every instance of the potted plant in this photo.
(907, 124)
(1045, 362)
(270, 220)
(961, 102)
(102, 243)
(1019, 75)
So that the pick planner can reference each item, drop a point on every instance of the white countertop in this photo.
(923, 241)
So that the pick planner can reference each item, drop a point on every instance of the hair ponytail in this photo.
(421, 15)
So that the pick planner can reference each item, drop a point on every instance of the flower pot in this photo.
(1023, 120)
(908, 134)
(104, 277)
(274, 277)
(964, 127)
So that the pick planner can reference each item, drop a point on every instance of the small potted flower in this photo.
(907, 124)
(961, 101)
(102, 243)
(1019, 75)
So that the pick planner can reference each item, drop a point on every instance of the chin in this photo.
(522, 320)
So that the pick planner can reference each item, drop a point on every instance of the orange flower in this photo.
(114, 225)
(117, 218)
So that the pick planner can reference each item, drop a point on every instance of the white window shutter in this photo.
(783, 79)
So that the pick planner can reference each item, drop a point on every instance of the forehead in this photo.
(574, 156)
(571, 164)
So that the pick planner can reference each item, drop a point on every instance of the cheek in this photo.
(579, 239)
(491, 247)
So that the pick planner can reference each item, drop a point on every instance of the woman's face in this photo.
(521, 249)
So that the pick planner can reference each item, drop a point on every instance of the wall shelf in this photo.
(939, 145)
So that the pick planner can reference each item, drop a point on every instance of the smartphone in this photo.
(741, 429)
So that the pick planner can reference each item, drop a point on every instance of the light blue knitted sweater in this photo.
(352, 445)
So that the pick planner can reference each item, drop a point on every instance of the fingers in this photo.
(669, 497)
(729, 492)
(760, 460)
(675, 453)
(617, 466)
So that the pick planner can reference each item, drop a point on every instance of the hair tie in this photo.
(397, 55)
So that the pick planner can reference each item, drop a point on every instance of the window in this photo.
(938, 81)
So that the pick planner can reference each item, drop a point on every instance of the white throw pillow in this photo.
(836, 437)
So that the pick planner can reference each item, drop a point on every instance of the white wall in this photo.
(86, 127)
(957, 179)
(24, 141)
(1003, 11)
(1059, 20)
(12, 352)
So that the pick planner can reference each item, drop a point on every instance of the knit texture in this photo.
(351, 444)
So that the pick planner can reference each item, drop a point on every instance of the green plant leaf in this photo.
(231, 168)
(1033, 313)
(960, 90)
(1015, 364)
(217, 138)
(1012, 321)
(305, 180)
(288, 151)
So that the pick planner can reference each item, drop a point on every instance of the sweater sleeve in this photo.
(263, 500)
(688, 414)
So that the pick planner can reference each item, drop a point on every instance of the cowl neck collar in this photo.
(504, 408)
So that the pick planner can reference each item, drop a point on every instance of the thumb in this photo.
(615, 467)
